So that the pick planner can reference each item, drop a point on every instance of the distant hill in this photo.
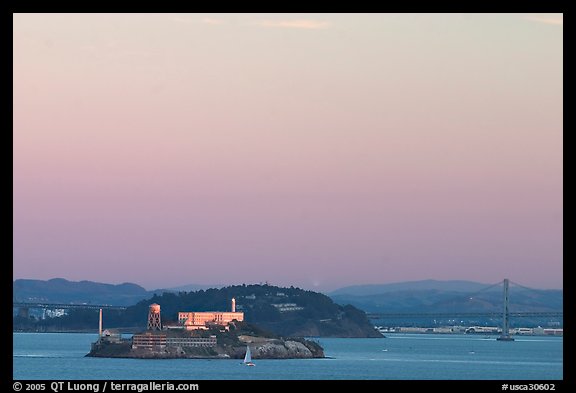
(445, 296)
(59, 290)
(284, 311)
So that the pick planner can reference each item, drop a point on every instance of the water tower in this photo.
(154, 317)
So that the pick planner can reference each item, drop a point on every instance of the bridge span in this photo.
(64, 306)
(462, 315)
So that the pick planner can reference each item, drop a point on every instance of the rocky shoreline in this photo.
(261, 348)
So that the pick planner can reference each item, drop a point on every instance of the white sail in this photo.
(248, 357)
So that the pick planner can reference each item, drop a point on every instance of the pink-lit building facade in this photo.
(201, 320)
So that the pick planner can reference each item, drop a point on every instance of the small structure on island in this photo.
(111, 336)
(154, 322)
(106, 336)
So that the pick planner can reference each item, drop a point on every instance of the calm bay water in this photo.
(399, 356)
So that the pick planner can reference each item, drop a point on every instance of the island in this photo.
(202, 335)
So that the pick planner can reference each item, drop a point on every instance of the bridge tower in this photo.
(506, 315)
(154, 317)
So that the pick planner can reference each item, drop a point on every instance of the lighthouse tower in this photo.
(154, 317)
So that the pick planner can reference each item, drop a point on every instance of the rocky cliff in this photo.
(261, 349)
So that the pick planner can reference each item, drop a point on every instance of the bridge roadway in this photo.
(63, 306)
(462, 315)
(370, 315)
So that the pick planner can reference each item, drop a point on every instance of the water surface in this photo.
(398, 357)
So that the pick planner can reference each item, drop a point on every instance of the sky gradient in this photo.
(314, 150)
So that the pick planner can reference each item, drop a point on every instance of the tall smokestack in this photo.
(233, 305)
(100, 325)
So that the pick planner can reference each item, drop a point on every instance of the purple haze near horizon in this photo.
(314, 150)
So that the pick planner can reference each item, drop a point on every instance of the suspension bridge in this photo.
(505, 314)
(24, 307)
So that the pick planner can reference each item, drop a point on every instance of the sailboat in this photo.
(248, 357)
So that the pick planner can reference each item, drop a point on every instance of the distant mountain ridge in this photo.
(431, 296)
(413, 296)
(60, 290)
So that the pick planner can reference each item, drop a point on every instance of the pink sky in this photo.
(313, 150)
